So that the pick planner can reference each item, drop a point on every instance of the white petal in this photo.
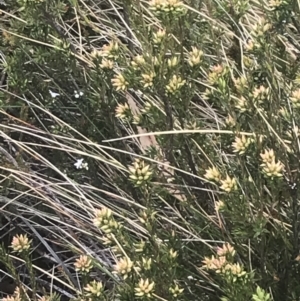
(78, 163)
(53, 94)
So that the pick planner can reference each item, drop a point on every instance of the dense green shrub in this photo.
(150, 150)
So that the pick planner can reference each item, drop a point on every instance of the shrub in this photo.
(150, 150)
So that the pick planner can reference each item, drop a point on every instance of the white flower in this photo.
(53, 94)
(79, 164)
(78, 94)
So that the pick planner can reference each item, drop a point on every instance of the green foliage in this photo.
(150, 150)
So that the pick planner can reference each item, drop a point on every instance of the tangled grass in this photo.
(149, 150)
